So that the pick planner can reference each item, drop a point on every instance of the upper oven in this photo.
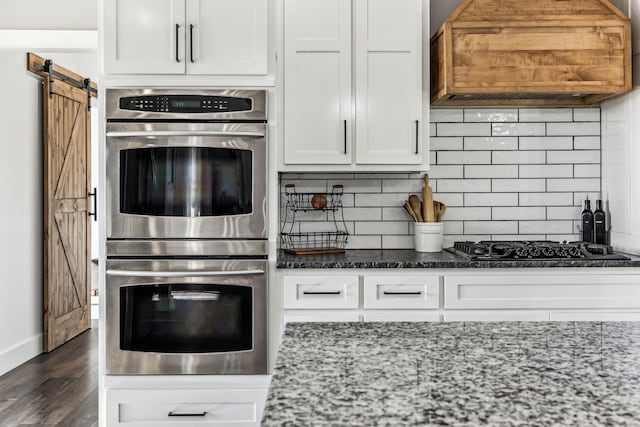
(186, 164)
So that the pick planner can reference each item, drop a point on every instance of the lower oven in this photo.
(186, 316)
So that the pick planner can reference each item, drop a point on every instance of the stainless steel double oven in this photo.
(186, 285)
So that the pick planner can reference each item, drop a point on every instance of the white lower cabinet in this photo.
(241, 407)
(401, 316)
(495, 316)
(332, 292)
(295, 316)
(548, 291)
(401, 292)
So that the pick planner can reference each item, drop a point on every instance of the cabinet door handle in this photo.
(345, 137)
(187, 414)
(402, 293)
(177, 37)
(94, 214)
(191, 42)
(321, 293)
(417, 135)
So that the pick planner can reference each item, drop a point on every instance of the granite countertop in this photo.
(408, 258)
(463, 374)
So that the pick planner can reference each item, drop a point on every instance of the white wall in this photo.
(21, 254)
(49, 15)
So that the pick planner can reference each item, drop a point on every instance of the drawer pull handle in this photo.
(321, 293)
(402, 293)
(187, 414)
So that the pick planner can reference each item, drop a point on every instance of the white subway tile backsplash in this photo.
(467, 214)
(586, 115)
(464, 185)
(577, 156)
(357, 185)
(382, 227)
(517, 157)
(546, 199)
(450, 199)
(361, 214)
(446, 171)
(518, 213)
(491, 227)
(384, 199)
(504, 174)
(364, 242)
(491, 171)
(464, 157)
(440, 143)
(490, 115)
(573, 129)
(518, 185)
(586, 143)
(586, 171)
(517, 129)
(546, 142)
(403, 185)
(546, 171)
(575, 184)
(451, 115)
(453, 227)
(545, 114)
(463, 129)
(397, 242)
(550, 227)
(563, 212)
(491, 143)
(491, 199)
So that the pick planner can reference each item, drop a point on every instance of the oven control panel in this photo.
(185, 104)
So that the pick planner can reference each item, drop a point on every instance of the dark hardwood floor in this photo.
(54, 389)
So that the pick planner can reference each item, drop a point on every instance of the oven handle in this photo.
(142, 273)
(127, 134)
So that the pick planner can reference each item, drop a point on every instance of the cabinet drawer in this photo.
(543, 291)
(240, 407)
(296, 316)
(321, 291)
(401, 292)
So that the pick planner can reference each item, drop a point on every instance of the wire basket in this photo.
(313, 242)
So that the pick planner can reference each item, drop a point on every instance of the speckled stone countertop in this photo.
(407, 258)
(463, 374)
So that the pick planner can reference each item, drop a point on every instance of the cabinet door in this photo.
(318, 120)
(388, 76)
(227, 36)
(144, 36)
(180, 407)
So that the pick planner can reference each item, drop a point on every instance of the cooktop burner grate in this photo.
(526, 250)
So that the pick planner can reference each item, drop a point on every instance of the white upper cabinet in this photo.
(212, 37)
(317, 91)
(388, 81)
(353, 78)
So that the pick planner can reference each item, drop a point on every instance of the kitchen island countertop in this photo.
(408, 258)
(469, 374)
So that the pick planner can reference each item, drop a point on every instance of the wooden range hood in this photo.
(524, 52)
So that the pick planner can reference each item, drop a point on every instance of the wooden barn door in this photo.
(67, 239)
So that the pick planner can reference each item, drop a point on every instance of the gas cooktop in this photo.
(527, 250)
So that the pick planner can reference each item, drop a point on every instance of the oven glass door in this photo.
(186, 180)
(186, 318)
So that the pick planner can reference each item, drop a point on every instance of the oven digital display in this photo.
(182, 103)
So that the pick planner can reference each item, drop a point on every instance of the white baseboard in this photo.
(20, 353)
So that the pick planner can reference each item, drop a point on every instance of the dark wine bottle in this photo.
(600, 223)
(587, 222)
